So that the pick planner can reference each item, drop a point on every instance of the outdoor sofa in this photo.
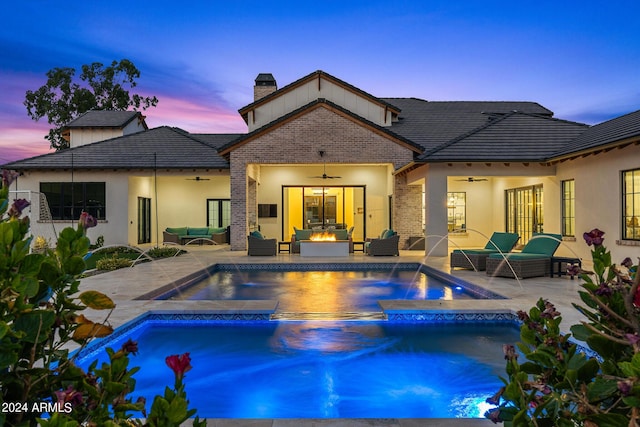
(533, 261)
(258, 245)
(305, 234)
(476, 259)
(385, 245)
(184, 235)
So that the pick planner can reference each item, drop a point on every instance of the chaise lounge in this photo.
(476, 259)
(533, 261)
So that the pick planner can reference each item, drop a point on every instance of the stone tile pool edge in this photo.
(166, 291)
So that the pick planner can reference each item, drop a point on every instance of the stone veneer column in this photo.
(407, 209)
(436, 215)
(238, 184)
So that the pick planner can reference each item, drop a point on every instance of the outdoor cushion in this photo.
(502, 242)
(388, 233)
(303, 234)
(543, 245)
(214, 230)
(519, 256)
(256, 234)
(475, 251)
(341, 234)
(384, 232)
(180, 231)
(198, 231)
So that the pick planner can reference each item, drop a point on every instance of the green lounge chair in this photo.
(533, 261)
(476, 259)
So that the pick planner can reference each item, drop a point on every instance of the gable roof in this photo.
(432, 123)
(316, 75)
(318, 103)
(105, 119)
(516, 136)
(617, 131)
(162, 147)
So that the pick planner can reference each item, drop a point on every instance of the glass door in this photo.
(524, 212)
(324, 207)
(144, 220)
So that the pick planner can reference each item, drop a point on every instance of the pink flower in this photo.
(179, 364)
(69, 395)
(17, 207)
(8, 176)
(87, 221)
(594, 237)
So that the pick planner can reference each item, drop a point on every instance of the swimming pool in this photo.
(329, 369)
(336, 288)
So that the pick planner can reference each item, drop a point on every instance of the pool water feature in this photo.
(339, 289)
(321, 369)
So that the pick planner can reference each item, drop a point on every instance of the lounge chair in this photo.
(476, 259)
(386, 245)
(259, 246)
(533, 261)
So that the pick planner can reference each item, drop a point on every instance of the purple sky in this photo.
(580, 59)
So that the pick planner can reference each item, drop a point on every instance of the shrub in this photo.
(165, 252)
(112, 263)
(559, 386)
(41, 317)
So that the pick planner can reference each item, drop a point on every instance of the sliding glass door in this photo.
(524, 212)
(324, 207)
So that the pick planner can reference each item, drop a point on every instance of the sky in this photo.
(580, 59)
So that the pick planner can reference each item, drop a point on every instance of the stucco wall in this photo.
(599, 198)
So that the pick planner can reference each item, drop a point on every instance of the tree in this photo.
(63, 98)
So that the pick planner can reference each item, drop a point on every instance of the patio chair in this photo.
(259, 246)
(533, 261)
(386, 245)
(476, 259)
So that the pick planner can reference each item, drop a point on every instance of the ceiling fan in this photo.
(197, 178)
(472, 179)
(324, 174)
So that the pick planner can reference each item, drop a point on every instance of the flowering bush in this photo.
(559, 386)
(40, 315)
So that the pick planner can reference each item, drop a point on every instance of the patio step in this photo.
(373, 315)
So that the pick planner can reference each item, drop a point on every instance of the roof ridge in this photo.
(309, 76)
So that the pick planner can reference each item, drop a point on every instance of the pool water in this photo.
(333, 369)
(322, 291)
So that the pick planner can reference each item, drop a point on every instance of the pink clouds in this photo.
(194, 117)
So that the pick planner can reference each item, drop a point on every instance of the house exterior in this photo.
(320, 152)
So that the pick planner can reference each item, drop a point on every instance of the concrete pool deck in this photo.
(124, 285)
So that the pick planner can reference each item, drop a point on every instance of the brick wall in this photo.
(297, 142)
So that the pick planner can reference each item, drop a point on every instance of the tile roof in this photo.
(603, 134)
(516, 136)
(162, 147)
(432, 123)
(104, 119)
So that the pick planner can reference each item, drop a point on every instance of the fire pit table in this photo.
(311, 248)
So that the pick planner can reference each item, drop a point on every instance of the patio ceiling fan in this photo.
(324, 169)
(472, 179)
(197, 178)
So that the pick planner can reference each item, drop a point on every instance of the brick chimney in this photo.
(265, 85)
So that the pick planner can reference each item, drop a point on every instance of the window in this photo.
(218, 213)
(67, 200)
(457, 212)
(631, 204)
(568, 208)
